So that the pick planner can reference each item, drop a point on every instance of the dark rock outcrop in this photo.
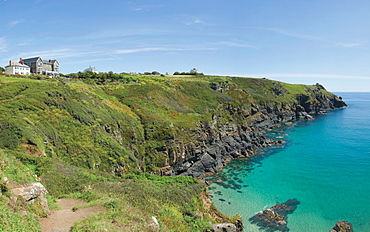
(220, 140)
(275, 218)
(342, 226)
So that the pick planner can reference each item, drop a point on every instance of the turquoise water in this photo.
(325, 164)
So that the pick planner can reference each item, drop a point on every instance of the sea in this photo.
(324, 164)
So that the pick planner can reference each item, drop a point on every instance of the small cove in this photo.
(325, 164)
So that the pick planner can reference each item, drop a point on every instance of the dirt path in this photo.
(62, 220)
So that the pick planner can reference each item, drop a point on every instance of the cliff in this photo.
(88, 136)
(237, 130)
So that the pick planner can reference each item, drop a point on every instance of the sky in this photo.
(294, 41)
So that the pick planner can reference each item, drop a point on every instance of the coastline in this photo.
(217, 143)
(270, 178)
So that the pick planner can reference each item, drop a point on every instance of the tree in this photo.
(2, 70)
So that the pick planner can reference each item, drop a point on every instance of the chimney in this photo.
(20, 59)
(10, 63)
(49, 61)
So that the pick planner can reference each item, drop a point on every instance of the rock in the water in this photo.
(342, 226)
(275, 218)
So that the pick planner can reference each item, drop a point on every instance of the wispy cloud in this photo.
(193, 21)
(291, 33)
(57, 53)
(88, 61)
(302, 36)
(3, 46)
(13, 23)
(23, 44)
(147, 8)
(308, 75)
(233, 44)
(348, 45)
(154, 49)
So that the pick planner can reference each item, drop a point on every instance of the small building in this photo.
(91, 69)
(40, 66)
(194, 71)
(17, 68)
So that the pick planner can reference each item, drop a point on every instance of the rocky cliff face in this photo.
(220, 140)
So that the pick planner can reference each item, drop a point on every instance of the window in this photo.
(40, 63)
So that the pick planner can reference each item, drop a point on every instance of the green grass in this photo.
(98, 140)
(125, 127)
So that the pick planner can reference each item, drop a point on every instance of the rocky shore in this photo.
(275, 218)
(219, 141)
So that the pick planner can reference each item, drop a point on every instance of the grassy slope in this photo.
(81, 138)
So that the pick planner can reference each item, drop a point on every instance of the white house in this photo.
(194, 71)
(91, 69)
(17, 68)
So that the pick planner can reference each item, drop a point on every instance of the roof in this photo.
(49, 61)
(17, 64)
(32, 59)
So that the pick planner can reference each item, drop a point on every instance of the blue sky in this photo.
(293, 41)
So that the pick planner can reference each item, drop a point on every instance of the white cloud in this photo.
(153, 49)
(89, 61)
(55, 54)
(311, 38)
(3, 45)
(147, 8)
(193, 21)
(291, 34)
(137, 6)
(348, 45)
(308, 75)
(23, 44)
(13, 23)
(233, 44)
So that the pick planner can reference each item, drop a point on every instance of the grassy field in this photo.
(101, 140)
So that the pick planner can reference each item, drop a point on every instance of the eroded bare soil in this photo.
(63, 220)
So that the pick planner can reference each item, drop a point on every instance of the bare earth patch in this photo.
(63, 220)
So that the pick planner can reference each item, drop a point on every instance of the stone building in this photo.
(40, 66)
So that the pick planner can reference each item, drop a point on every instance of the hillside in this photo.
(101, 141)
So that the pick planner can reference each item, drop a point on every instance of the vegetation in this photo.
(101, 137)
(188, 73)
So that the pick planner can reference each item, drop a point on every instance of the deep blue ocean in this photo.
(324, 164)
